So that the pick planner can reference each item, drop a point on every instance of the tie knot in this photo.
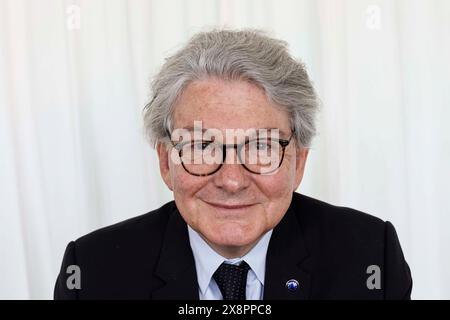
(232, 280)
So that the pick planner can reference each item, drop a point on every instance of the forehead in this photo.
(223, 105)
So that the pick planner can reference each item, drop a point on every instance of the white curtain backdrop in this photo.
(74, 77)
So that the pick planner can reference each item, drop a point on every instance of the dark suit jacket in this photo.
(326, 248)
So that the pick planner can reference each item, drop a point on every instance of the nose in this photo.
(232, 176)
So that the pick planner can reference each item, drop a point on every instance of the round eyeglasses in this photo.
(262, 155)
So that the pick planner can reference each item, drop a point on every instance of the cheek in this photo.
(279, 184)
(185, 188)
(278, 191)
(183, 183)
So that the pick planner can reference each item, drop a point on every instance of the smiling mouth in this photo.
(230, 207)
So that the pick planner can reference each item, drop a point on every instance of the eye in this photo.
(263, 145)
(259, 145)
(200, 146)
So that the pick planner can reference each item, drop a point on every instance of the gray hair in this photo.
(248, 55)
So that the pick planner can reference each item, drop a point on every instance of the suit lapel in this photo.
(287, 259)
(176, 266)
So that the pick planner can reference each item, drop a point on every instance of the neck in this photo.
(232, 252)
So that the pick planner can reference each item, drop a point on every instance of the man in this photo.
(232, 119)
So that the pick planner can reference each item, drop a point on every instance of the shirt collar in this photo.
(207, 260)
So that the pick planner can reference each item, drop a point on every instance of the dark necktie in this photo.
(232, 280)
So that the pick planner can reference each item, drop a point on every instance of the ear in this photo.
(164, 167)
(301, 156)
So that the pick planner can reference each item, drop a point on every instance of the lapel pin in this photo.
(292, 285)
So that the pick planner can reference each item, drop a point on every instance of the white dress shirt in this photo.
(207, 261)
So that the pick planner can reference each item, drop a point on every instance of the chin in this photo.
(232, 235)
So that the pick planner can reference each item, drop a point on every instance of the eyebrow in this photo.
(282, 132)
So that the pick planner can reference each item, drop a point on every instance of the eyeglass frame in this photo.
(238, 147)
